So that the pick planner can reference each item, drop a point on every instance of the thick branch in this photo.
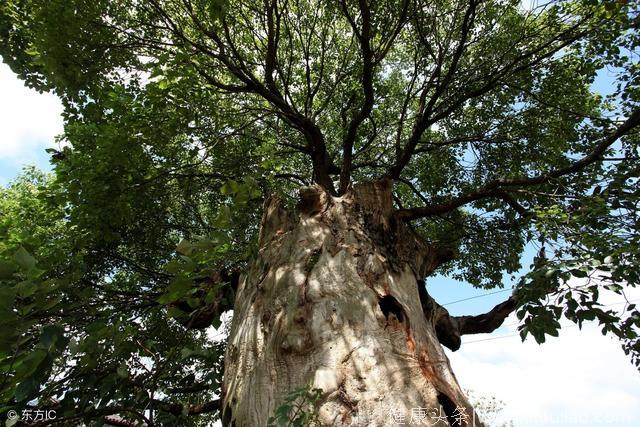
(178, 408)
(496, 188)
(423, 122)
(367, 87)
(272, 44)
(530, 58)
(449, 329)
(172, 408)
(115, 420)
(233, 61)
(109, 414)
(487, 322)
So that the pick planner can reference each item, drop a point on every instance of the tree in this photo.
(308, 164)
(488, 408)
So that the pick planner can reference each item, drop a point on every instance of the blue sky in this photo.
(580, 378)
(29, 122)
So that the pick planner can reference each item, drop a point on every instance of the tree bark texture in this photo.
(332, 300)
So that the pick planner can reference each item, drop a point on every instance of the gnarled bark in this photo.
(332, 300)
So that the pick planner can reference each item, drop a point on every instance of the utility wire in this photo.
(572, 325)
(479, 296)
(567, 326)
(498, 292)
(605, 305)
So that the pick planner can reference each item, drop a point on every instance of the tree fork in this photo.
(332, 300)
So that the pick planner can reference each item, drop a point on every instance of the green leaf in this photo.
(185, 247)
(26, 288)
(24, 259)
(578, 273)
(523, 333)
(12, 421)
(164, 84)
(216, 322)
(180, 285)
(169, 297)
(6, 270)
(186, 352)
(122, 370)
(32, 362)
(52, 335)
(7, 298)
(26, 390)
(74, 346)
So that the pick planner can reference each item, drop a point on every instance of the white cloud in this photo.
(581, 378)
(29, 121)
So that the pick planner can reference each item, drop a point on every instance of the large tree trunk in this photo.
(333, 300)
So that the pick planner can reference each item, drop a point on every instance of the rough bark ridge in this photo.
(332, 300)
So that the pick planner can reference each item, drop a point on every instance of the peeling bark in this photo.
(332, 299)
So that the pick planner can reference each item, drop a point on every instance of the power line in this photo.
(567, 326)
(479, 296)
(605, 305)
(498, 292)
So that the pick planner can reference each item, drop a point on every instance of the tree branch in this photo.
(312, 133)
(495, 189)
(449, 328)
(414, 189)
(272, 44)
(178, 408)
(487, 322)
(292, 177)
(529, 58)
(364, 37)
(423, 122)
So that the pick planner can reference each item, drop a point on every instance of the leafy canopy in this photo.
(181, 116)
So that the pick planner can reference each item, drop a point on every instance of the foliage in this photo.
(74, 318)
(299, 409)
(183, 116)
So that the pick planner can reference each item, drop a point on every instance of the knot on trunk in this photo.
(313, 200)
